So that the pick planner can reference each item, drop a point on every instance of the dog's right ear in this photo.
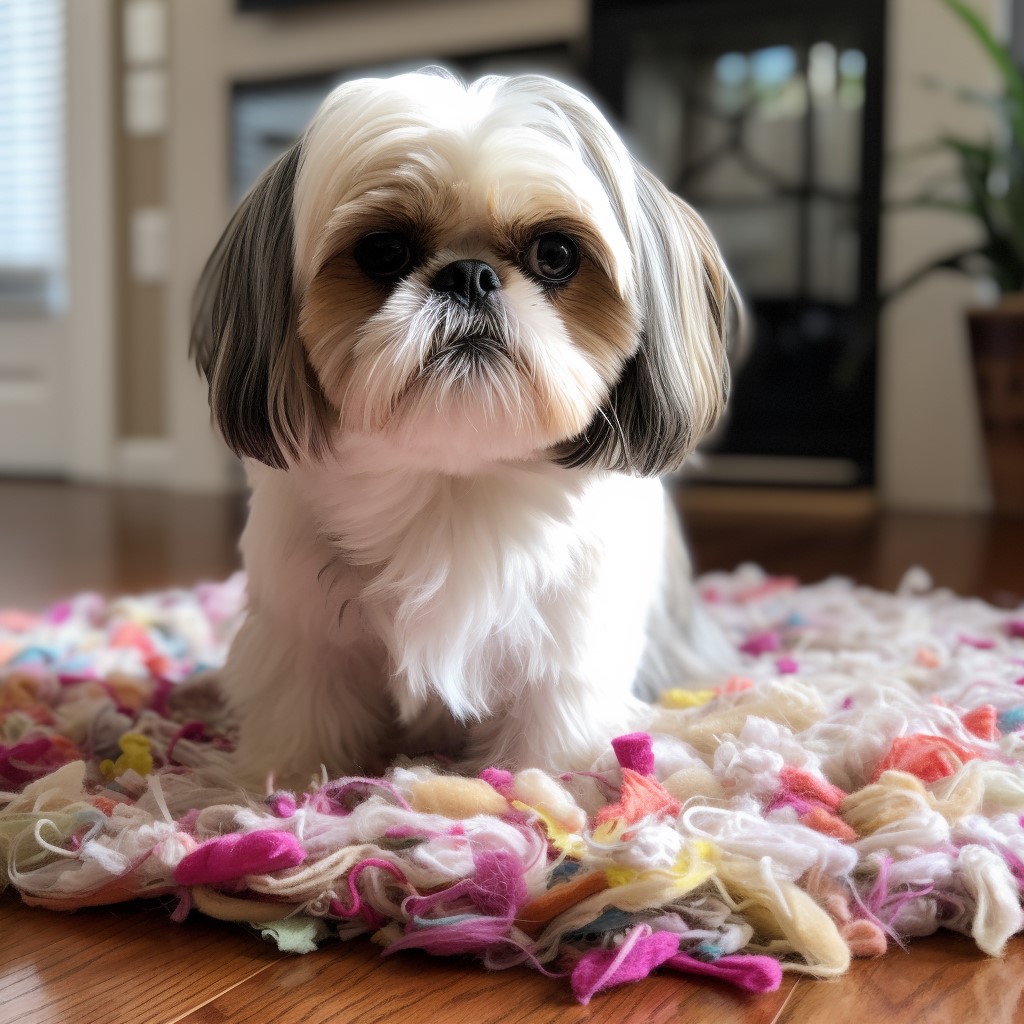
(264, 396)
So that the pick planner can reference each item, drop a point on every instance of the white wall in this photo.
(90, 370)
(930, 451)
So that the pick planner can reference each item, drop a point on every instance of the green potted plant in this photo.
(991, 192)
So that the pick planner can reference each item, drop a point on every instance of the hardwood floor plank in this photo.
(117, 965)
(65, 968)
(352, 982)
(57, 539)
(972, 555)
(943, 978)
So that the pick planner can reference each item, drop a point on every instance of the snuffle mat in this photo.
(858, 782)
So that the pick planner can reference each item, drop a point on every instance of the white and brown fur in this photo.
(458, 553)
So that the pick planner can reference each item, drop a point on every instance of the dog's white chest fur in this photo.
(519, 592)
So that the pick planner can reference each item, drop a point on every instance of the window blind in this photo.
(32, 247)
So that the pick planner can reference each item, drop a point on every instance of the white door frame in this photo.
(189, 456)
(198, 205)
(90, 383)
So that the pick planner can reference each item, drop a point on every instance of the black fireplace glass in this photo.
(766, 116)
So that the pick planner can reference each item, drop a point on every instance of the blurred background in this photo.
(130, 128)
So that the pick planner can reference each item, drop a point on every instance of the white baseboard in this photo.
(144, 462)
(157, 462)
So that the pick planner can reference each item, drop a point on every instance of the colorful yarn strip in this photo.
(229, 858)
(856, 782)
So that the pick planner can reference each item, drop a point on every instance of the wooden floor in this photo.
(131, 965)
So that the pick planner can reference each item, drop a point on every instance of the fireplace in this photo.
(767, 118)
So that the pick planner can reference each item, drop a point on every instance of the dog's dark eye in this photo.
(554, 258)
(383, 255)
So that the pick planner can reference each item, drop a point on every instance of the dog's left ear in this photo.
(264, 396)
(674, 387)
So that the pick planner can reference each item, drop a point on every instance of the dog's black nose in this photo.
(467, 281)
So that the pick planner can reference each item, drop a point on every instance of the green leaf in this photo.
(997, 104)
(990, 173)
(1001, 57)
(956, 261)
(968, 149)
(928, 202)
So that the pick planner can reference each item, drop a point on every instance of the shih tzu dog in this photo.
(456, 333)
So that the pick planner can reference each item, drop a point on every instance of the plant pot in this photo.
(997, 348)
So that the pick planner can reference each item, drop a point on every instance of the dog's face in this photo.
(470, 290)
(476, 274)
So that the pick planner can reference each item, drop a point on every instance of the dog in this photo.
(457, 333)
